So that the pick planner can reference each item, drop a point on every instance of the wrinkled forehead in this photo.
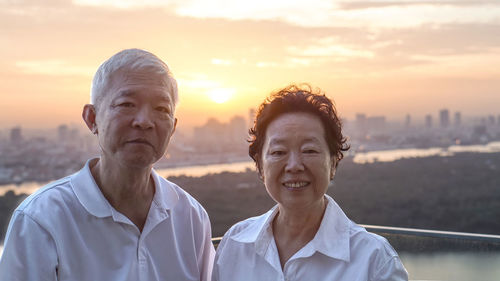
(124, 79)
(144, 76)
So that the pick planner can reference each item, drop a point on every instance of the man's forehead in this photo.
(130, 92)
(128, 83)
(142, 76)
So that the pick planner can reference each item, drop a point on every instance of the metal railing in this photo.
(426, 240)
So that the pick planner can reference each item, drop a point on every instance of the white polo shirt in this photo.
(67, 230)
(340, 250)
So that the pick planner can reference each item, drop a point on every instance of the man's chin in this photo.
(137, 160)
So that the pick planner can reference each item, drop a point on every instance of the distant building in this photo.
(458, 119)
(62, 133)
(428, 121)
(480, 130)
(444, 118)
(360, 121)
(491, 120)
(360, 118)
(74, 135)
(237, 129)
(375, 122)
(251, 117)
(15, 135)
(408, 121)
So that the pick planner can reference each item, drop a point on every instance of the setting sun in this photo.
(220, 95)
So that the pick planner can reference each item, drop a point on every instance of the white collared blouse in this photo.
(67, 230)
(340, 250)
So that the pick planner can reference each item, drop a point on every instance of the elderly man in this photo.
(116, 219)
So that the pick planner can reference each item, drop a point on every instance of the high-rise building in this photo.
(458, 119)
(408, 121)
(237, 129)
(15, 135)
(251, 117)
(375, 122)
(428, 121)
(444, 118)
(491, 120)
(360, 118)
(62, 133)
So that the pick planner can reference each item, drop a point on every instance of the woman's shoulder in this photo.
(366, 241)
(247, 230)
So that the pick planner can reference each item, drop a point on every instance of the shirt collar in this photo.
(92, 199)
(89, 194)
(332, 238)
(166, 197)
(259, 231)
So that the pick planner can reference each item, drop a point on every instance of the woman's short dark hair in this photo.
(298, 98)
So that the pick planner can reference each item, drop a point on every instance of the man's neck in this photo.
(129, 190)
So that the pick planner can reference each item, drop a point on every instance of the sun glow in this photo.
(220, 95)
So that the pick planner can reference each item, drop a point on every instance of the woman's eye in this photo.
(310, 151)
(277, 153)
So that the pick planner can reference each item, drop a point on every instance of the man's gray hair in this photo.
(130, 59)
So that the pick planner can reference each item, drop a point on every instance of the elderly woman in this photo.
(297, 143)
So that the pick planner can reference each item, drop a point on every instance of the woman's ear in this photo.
(259, 167)
(333, 168)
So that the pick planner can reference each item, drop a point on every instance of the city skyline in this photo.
(442, 119)
(381, 58)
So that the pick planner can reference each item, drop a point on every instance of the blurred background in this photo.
(417, 85)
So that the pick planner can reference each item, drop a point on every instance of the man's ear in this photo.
(175, 125)
(89, 115)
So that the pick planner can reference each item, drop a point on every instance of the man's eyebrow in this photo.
(125, 93)
(165, 98)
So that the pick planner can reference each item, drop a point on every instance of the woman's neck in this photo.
(293, 229)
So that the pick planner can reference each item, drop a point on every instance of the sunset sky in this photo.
(377, 57)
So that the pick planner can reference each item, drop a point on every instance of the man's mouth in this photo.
(140, 141)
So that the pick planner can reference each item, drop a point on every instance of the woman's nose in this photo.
(294, 163)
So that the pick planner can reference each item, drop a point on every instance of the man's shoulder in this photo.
(185, 200)
(44, 199)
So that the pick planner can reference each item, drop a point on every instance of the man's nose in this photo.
(143, 119)
(294, 163)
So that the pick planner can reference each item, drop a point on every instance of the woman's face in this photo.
(296, 162)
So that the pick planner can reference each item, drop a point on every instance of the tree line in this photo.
(453, 193)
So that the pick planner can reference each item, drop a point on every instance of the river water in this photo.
(366, 157)
(453, 266)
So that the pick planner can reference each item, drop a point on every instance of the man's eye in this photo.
(163, 109)
(126, 104)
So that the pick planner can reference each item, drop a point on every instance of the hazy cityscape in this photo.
(458, 192)
(45, 155)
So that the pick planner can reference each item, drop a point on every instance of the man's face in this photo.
(135, 119)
